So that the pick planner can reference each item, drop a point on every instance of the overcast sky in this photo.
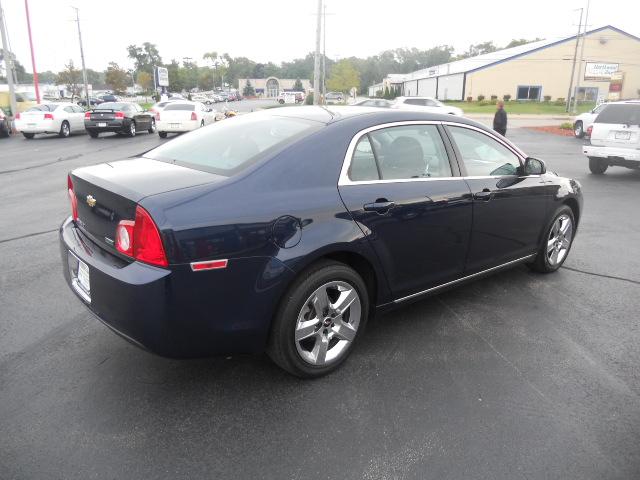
(285, 29)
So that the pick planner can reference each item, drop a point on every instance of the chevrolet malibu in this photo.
(285, 230)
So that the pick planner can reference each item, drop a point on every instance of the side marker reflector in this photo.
(209, 265)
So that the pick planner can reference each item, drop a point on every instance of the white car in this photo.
(183, 116)
(585, 120)
(425, 104)
(615, 138)
(62, 119)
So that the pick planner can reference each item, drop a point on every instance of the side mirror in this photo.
(534, 166)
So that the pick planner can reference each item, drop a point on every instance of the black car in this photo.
(284, 230)
(108, 97)
(92, 101)
(120, 117)
(5, 125)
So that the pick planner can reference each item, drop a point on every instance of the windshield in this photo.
(180, 106)
(228, 147)
(620, 114)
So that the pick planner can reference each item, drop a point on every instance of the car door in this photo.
(509, 208)
(143, 121)
(78, 114)
(409, 200)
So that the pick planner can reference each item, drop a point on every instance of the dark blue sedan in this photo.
(285, 230)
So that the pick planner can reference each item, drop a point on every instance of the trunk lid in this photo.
(102, 114)
(110, 192)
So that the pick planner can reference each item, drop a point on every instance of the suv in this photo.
(425, 104)
(615, 138)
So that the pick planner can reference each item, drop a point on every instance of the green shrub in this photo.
(480, 98)
(469, 99)
(566, 126)
(547, 98)
(484, 103)
(560, 101)
(506, 97)
(494, 97)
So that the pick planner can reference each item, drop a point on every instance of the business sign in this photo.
(600, 71)
(162, 77)
(615, 86)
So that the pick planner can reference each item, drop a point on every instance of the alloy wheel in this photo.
(328, 323)
(559, 240)
(132, 129)
(65, 129)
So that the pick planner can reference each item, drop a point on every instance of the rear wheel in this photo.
(132, 129)
(65, 130)
(319, 320)
(597, 165)
(556, 242)
(162, 134)
(202, 124)
(93, 133)
(28, 136)
(578, 129)
(152, 128)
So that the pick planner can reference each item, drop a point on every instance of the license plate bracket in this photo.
(80, 277)
(623, 135)
(102, 124)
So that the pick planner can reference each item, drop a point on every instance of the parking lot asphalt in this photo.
(518, 375)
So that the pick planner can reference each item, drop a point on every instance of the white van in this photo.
(615, 137)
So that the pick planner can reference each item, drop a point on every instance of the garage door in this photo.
(450, 87)
(427, 87)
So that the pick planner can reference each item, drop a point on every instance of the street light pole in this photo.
(33, 57)
(8, 62)
(316, 63)
(84, 69)
(584, 39)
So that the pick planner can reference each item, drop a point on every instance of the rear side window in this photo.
(229, 147)
(363, 164)
(414, 101)
(625, 114)
(180, 106)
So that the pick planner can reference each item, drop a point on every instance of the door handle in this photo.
(381, 206)
(484, 195)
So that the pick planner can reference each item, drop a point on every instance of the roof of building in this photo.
(479, 62)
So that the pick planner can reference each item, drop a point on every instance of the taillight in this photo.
(140, 239)
(72, 198)
(48, 116)
(119, 115)
(87, 115)
(589, 130)
(194, 116)
(18, 116)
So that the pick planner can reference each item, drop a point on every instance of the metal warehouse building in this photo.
(610, 69)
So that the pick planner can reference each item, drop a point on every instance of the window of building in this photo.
(587, 94)
(529, 92)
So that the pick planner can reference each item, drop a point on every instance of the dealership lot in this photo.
(514, 376)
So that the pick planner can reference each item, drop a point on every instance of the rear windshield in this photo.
(43, 108)
(230, 146)
(180, 106)
(625, 114)
(112, 106)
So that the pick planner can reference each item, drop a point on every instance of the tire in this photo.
(556, 242)
(597, 165)
(93, 133)
(152, 128)
(281, 102)
(132, 129)
(28, 136)
(336, 331)
(578, 129)
(65, 130)
(5, 131)
(202, 124)
(162, 134)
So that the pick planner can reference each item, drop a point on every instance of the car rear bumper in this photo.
(177, 126)
(109, 125)
(614, 155)
(44, 126)
(177, 312)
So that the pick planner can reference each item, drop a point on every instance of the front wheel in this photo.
(152, 127)
(578, 129)
(556, 242)
(65, 130)
(319, 320)
(597, 165)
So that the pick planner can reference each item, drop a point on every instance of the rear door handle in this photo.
(381, 206)
(484, 195)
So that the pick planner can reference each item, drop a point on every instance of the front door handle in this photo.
(484, 195)
(381, 206)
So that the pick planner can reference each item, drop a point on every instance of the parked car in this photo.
(425, 104)
(62, 119)
(261, 233)
(24, 101)
(108, 97)
(288, 97)
(92, 101)
(332, 97)
(179, 117)
(374, 102)
(585, 120)
(615, 138)
(159, 106)
(5, 125)
(122, 117)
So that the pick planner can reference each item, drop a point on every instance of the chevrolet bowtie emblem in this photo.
(91, 201)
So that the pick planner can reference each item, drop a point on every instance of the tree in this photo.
(521, 41)
(116, 78)
(71, 78)
(298, 86)
(145, 57)
(343, 77)
(248, 90)
(145, 80)
(478, 49)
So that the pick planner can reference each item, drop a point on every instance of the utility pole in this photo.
(8, 62)
(33, 57)
(584, 39)
(84, 69)
(316, 63)
(324, 52)
(573, 68)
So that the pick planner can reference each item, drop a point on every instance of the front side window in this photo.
(414, 101)
(482, 155)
